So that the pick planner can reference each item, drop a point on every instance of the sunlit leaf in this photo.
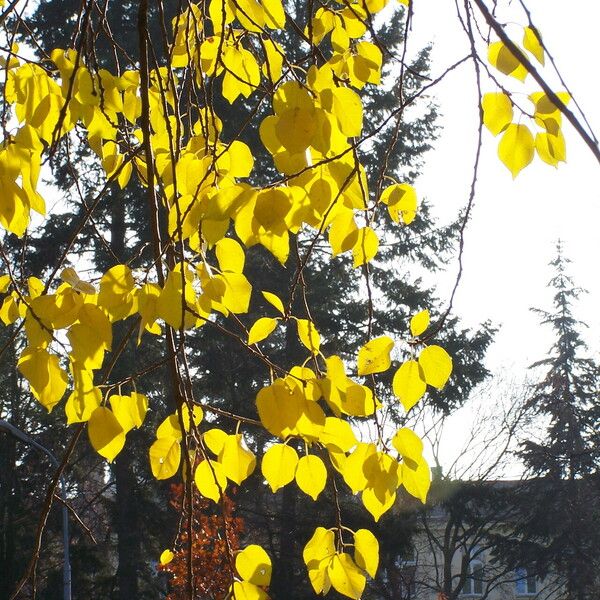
(311, 475)
(261, 330)
(374, 356)
(436, 365)
(516, 148)
(106, 434)
(165, 456)
(497, 111)
(279, 465)
(253, 564)
(366, 551)
(532, 42)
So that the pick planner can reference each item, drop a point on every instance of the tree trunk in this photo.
(126, 511)
(127, 526)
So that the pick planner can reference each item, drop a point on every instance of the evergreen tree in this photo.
(558, 506)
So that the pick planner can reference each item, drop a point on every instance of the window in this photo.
(526, 584)
(474, 582)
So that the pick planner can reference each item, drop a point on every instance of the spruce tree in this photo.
(559, 504)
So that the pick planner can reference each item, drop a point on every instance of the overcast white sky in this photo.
(515, 224)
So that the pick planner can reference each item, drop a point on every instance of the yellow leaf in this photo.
(90, 337)
(129, 410)
(215, 440)
(253, 565)
(166, 557)
(366, 246)
(9, 312)
(497, 111)
(311, 475)
(147, 297)
(317, 554)
(505, 61)
(436, 365)
(345, 576)
(295, 128)
(210, 479)
(416, 478)
(37, 336)
(516, 148)
(177, 295)
(377, 504)
(116, 287)
(274, 301)
(374, 356)
(345, 104)
(230, 255)
(273, 65)
(138, 407)
(106, 434)
(234, 291)
(244, 590)
(532, 42)
(165, 456)
(408, 384)
(5, 282)
(544, 105)
(408, 444)
(338, 434)
(261, 330)
(238, 462)
(279, 465)
(367, 64)
(401, 200)
(120, 408)
(70, 276)
(84, 399)
(169, 428)
(366, 551)
(353, 473)
(274, 14)
(551, 148)
(419, 323)
(309, 336)
(47, 380)
(343, 232)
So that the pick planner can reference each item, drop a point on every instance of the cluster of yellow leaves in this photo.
(233, 461)
(329, 567)
(216, 217)
(517, 145)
